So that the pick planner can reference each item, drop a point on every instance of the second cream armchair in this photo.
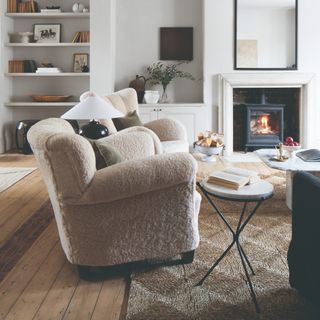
(171, 133)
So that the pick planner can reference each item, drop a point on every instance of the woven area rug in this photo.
(9, 176)
(170, 292)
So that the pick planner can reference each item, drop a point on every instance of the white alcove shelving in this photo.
(23, 85)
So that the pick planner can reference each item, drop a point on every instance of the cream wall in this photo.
(102, 48)
(137, 42)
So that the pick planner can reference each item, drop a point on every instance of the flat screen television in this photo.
(176, 43)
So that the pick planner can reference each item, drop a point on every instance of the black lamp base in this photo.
(94, 130)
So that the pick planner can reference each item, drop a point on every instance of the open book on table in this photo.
(310, 155)
(233, 178)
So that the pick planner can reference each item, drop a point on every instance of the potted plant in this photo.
(162, 74)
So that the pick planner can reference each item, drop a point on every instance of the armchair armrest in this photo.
(131, 178)
(155, 138)
(168, 129)
(135, 143)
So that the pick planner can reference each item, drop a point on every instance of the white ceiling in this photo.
(267, 3)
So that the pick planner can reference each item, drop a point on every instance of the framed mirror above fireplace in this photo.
(266, 35)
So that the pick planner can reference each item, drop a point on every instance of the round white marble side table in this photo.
(256, 193)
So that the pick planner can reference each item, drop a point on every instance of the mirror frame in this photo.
(275, 68)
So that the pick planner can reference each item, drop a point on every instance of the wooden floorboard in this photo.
(112, 297)
(43, 285)
(37, 289)
(83, 302)
(16, 281)
(20, 215)
(58, 298)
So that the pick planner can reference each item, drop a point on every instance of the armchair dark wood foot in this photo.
(89, 273)
(84, 272)
(99, 273)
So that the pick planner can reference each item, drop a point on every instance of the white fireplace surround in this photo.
(288, 79)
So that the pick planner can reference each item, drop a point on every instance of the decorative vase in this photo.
(151, 96)
(164, 96)
(77, 7)
(139, 84)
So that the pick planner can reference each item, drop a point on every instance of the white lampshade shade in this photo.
(92, 107)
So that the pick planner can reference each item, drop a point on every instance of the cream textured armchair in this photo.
(142, 208)
(171, 133)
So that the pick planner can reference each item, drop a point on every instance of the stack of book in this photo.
(81, 36)
(22, 66)
(12, 6)
(51, 10)
(22, 7)
(48, 70)
(233, 178)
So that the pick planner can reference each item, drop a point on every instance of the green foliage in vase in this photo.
(159, 73)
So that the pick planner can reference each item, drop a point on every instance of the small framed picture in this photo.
(81, 62)
(43, 33)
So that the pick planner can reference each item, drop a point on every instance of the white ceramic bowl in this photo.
(151, 96)
(209, 151)
(21, 37)
(291, 149)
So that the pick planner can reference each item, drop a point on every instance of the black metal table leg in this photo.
(253, 294)
(215, 264)
(246, 259)
(236, 241)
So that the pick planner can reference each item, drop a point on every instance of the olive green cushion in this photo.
(130, 120)
(106, 155)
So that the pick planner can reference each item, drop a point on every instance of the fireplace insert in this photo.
(264, 127)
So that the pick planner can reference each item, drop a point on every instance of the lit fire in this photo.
(261, 125)
(265, 124)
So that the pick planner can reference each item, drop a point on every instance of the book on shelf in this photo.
(22, 66)
(14, 6)
(48, 70)
(310, 155)
(81, 37)
(28, 7)
(51, 11)
(233, 178)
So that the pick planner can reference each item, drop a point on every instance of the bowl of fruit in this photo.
(210, 144)
(290, 146)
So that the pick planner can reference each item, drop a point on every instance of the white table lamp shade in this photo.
(92, 107)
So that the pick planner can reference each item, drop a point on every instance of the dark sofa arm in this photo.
(304, 252)
(306, 199)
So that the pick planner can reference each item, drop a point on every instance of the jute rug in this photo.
(9, 176)
(170, 292)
